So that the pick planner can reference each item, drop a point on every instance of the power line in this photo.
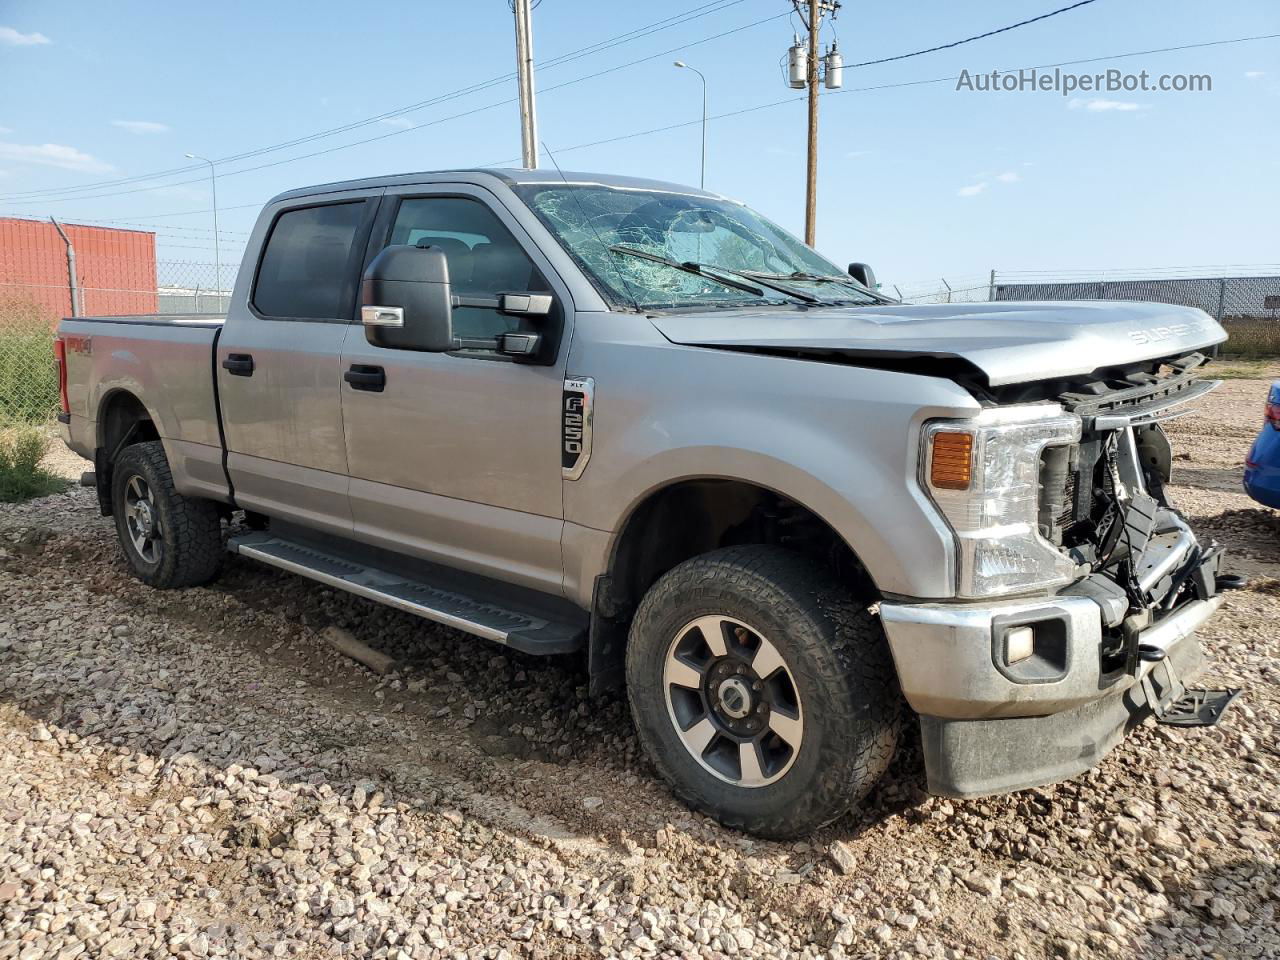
(687, 16)
(429, 123)
(980, 36)
(904, 83)
(790, 100)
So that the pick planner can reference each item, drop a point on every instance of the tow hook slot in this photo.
(1178, 706)
(1198, 707)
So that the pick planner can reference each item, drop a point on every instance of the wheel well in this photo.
(693, 517)
(122, 421)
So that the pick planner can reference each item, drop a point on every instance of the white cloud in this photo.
(854, 154)
(972, 190)
(1100, 105)
(141, 126)
(54, 155)
(12, 38)
(1009, 176)
(400, 123)
(1255, 74)
(4, 130)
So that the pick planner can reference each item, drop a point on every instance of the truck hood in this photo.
(1007, 341)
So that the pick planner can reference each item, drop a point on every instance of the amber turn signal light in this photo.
(951, 466)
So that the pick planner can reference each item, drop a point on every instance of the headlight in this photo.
(984, 475)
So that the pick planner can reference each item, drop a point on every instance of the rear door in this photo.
(279, 361)
(457, 458)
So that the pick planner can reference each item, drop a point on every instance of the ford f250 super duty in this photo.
(590, 414)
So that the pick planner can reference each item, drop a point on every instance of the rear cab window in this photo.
(309, 263)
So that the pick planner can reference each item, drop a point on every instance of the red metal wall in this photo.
(116, 268)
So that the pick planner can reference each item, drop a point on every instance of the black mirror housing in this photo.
(407, 303)
(864, 275)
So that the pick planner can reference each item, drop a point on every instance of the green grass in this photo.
(28, 379)
(1229, 368)
(1251, 338)
(21, 476)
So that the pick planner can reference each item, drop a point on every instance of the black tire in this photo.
(186, 549)
(838, 662)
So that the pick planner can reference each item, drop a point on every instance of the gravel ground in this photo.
(197, 774)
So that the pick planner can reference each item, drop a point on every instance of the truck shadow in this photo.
(1228, 912)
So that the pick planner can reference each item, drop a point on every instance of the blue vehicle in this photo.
(1262, 467)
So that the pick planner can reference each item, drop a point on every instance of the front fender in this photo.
(842, 441)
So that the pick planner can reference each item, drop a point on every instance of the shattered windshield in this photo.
(621, 238)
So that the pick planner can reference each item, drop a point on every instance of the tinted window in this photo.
(484, 259)
(306, 268)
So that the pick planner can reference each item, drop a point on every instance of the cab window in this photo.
(484, 258)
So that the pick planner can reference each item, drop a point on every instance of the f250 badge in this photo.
(575, 425)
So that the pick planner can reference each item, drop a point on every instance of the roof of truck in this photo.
(509, 176)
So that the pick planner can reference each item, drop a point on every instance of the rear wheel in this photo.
(169, 540)
(762, 691)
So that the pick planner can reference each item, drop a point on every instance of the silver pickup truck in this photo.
(594, 415)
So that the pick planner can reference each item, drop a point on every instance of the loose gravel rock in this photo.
(198, 774)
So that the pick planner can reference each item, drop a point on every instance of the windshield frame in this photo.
(620, 293)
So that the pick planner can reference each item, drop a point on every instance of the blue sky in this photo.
(919, 180)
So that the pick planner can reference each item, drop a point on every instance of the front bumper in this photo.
(948, 656)
(987, 729)
(974, 758)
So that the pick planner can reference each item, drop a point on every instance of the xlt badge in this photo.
(575, 425)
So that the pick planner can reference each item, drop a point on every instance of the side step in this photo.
(520, 629)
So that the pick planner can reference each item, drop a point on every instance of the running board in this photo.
(522, 630)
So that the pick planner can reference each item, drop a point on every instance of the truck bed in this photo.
(163, 362)
(157, 319)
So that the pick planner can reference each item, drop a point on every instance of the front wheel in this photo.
(169, 540)
(761, 690)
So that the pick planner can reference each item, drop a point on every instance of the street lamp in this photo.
(702, 181)
(217, 253)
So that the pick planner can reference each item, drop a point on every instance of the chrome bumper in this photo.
(948, 656)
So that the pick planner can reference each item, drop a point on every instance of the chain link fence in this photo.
(28, 379)
(1248, 307)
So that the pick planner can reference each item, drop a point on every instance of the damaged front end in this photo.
(1079, 589)
(1104, 502)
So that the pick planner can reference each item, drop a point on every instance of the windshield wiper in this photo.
(689, 267)
(811, 278)
(770, 280)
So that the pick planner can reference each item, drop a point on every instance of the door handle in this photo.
(364, 377)
(238, 364)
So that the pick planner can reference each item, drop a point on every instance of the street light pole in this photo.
(217, 251)
(702, 179)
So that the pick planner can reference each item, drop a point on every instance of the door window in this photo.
(484, 258)
(306, 271)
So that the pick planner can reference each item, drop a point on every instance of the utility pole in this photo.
(806, 69)
(811, 169)
(524, 78)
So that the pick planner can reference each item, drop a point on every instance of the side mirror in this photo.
(406, 303)
(863, 274)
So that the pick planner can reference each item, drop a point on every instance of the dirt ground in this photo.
(197, 774)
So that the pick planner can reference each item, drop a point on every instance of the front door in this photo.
(279, 362)
(457, 458)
